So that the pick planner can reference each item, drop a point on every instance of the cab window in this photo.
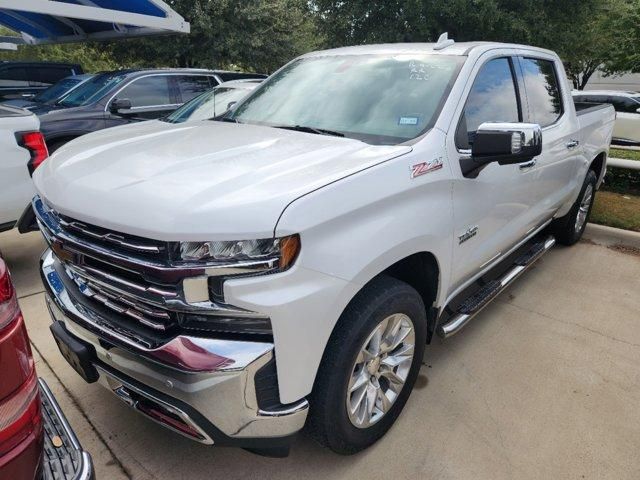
(149, 91)
(543, 90)
(493, 98)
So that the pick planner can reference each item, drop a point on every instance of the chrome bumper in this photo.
(218, 400)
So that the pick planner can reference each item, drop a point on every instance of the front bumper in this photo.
(219, 402)
(64, 458)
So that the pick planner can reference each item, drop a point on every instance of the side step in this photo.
(474, 304)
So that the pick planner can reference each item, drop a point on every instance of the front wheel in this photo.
(569, 229)
(369, 367)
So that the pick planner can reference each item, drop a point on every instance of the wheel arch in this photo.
(599, 166)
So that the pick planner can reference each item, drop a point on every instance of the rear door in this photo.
(492, 209)
(190, 86)
(550, 105)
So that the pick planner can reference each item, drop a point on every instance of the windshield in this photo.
(57, 90)
(208, 105)
(92, 90)
(380, 99)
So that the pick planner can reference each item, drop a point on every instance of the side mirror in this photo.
(638, 110)
(230, 105)
(505, 143)
(121, 106)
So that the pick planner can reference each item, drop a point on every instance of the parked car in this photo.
(122, 97)
(213, 103)
(627, 106)
(36, 440)
(52, 94)
(22, 150)
(26, 79)
(229, 279)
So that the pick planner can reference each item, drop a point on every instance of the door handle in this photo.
(571, 144)
(529, 164)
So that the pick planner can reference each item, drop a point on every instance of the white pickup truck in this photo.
(22, 150)
(237, 278)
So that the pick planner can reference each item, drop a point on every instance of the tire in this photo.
(330, 423)
(569, 229)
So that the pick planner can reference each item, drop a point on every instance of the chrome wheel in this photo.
(380, 370)
(583, 211)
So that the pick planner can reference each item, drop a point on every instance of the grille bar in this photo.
(127, 242)
(121, 302)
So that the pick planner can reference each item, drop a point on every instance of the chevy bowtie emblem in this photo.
(426, 167)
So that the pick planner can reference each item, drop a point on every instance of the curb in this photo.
(610, 236)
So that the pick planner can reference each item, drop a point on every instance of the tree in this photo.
(583, 33)
(624, 23)
(258, 35)
(93, 57)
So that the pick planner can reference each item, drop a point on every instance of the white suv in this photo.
(627, 105)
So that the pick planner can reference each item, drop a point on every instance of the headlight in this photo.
(279, 253)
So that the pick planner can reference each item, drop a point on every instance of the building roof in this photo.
(66, 21)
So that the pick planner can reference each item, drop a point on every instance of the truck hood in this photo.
(199, 181)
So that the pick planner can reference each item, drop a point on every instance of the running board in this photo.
(475, 303)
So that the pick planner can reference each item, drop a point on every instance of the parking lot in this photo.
(545, 383)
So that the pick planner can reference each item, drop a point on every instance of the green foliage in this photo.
(262, 35)
(625, 24)
(253, 35)
(93, 58)
(622, 180)
(583, 33)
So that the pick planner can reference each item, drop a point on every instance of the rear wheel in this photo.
(569, 229)
(369, 367)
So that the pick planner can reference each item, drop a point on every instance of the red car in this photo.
(36, 440)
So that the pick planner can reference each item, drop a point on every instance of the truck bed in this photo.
(7, 111)
(596, 127)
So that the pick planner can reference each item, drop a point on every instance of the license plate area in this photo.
(78, 354)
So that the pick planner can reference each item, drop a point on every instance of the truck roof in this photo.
(462, 49)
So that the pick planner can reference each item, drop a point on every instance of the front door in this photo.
(492, 207)
(151, 97)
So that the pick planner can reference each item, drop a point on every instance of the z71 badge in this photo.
(426, 167)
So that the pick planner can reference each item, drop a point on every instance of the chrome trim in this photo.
(225, 396)
(108, 237)
(85, 470)
(63, 241)
(528, 165)
(298, 407)
(528, 236)
(119, 388)
(184, 353)
(53, 233)
(455, 324)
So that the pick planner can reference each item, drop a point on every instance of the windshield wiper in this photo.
(317, 131)
(225, 119)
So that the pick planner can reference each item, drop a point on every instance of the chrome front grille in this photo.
(150, 297)
(156, 318)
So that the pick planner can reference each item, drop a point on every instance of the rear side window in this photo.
(190, 86)
(493, 98)
(14, 77)
(543, 90)
(148, 92)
